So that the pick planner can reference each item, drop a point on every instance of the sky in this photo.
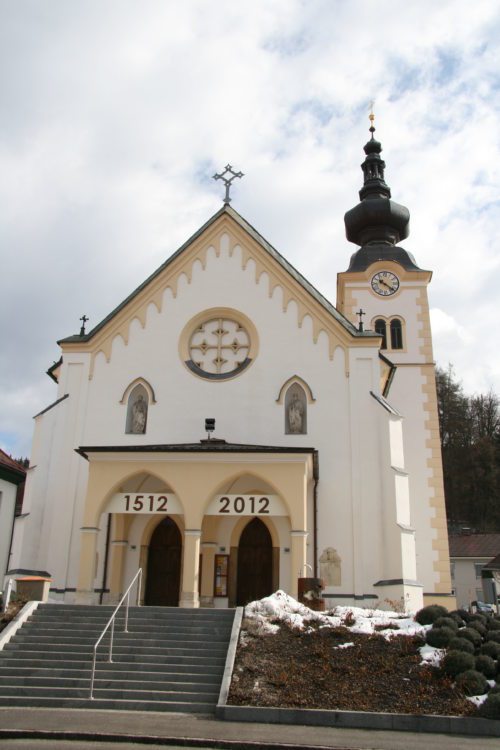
(115, 114)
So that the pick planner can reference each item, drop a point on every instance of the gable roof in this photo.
(265, 245)
(474, 545)
(10, 469)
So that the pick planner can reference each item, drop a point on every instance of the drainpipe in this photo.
(315, 526)
(106, 555)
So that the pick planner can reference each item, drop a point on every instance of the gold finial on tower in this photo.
(371, 116)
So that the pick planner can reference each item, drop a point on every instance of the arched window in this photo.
(381, 329)
(295, 410)
(137, 410)
(396, 334)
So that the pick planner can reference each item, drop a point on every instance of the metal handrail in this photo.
(111, 622)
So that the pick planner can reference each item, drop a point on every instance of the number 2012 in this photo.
(146, 502)
(239, 505)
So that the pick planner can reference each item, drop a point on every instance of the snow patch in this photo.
(477, 700)
(282, 608)
(431, 656)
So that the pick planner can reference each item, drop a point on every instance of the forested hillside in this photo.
(470, 443)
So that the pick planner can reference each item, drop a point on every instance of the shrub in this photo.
(428, 615)
(446, 622)
(472, 682)
(481, 629)
(462, 613)
(493, 635)
(472, 635)
(495, 689)
(490, 709)
(456, 662)
(439, 637)
(486, 665)
(493, 624)
(490, 648)
(479, 617)
(462, 644)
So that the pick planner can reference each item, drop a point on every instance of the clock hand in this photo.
(381, 281)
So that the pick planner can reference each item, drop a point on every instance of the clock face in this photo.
(385, 283)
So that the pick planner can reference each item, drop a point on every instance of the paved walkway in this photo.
(205, 731)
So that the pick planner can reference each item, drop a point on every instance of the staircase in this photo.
(170, 660)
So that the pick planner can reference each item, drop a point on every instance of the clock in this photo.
(385, 283)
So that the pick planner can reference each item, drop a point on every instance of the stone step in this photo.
(151, 613)
(53, 685)
(133, 638)
(166, 647)
(84, 628)
(134, 693)
(168, 706)
(170, 660)
(173, 657)
(24, 675)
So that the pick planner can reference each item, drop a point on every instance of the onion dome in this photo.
(376, 218)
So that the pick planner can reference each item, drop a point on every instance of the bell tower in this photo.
(384, 281)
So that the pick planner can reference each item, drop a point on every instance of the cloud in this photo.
(116, 115)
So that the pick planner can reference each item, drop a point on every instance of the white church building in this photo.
(325, 457)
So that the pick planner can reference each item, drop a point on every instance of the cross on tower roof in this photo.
(84, 319)
(360, 314)
(227, 181)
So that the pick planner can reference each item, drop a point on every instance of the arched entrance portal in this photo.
(255, 563)
(164, 565)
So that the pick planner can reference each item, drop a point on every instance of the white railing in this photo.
(111, 621)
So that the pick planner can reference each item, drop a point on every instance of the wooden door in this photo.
(164, 565)
(255, 563)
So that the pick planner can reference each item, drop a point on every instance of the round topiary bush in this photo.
(439, 637)
(486, 665)
(472, 635)
(457, 617)
(490, 648)
(490, 709)
(456, 662)
(446, 622)
(493, 635)
(472, 682)
(462, 613)
(478, 617)
(428, 615)
(477, 625)
(493, 624)
(495, 689)
(462, 644)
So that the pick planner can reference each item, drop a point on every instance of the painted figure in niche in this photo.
(330, 567)
(296, 415)
(139, 414)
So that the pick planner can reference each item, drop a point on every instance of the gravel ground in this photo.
(293, 668)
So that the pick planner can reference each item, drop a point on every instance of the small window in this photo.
(137, 411)
(452, 570)
(478, 568)
(381, 329)
(396, 334)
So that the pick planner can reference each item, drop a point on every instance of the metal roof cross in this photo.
(227, 181)
(84, 319)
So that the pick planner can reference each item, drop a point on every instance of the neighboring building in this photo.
(316, 430)
(12, 478)
(470, 555)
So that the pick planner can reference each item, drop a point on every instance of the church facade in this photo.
(228, 430)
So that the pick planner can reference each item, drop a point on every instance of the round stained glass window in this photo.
(219, 348)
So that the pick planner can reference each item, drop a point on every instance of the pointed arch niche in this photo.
(296, 395)
(138, 396)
